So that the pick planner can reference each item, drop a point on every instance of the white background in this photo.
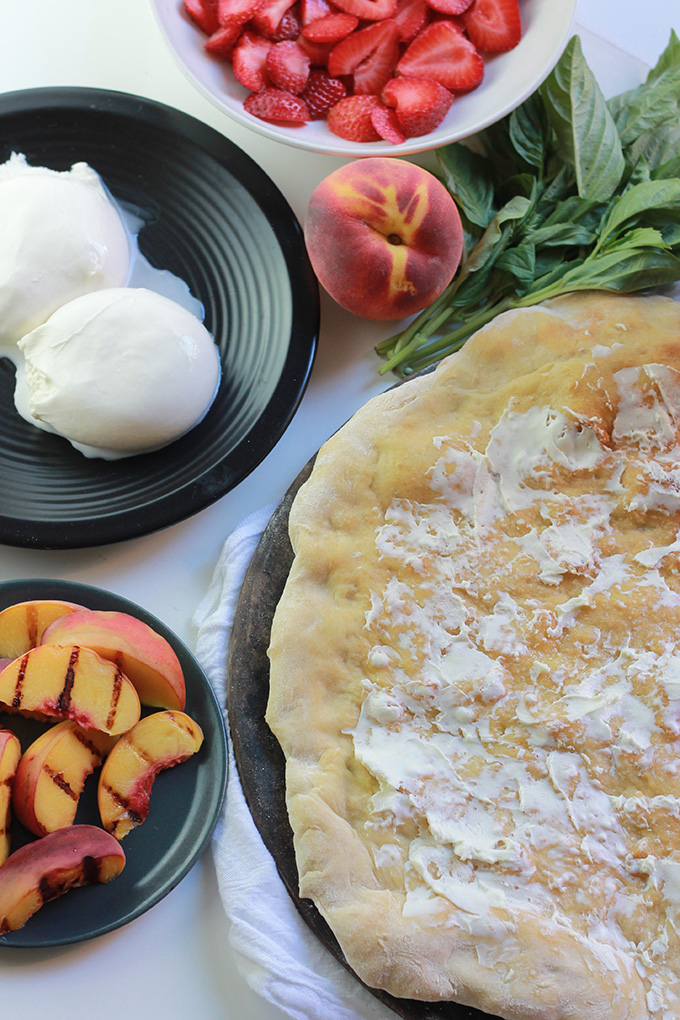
(175, 961)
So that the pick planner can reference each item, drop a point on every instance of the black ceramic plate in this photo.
(215, 219)
(258, 755)
(184, 807)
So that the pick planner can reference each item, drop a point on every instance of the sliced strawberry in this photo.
(411, 18)
(387, 125)
(277, 106)
(321, 92)
(332, 28)
(314, 10)
(318, 53)
(351, 119)
(288, 66)
(420, 103)
(221, 43)
(203, 13)
(231, 12)
(442, 52)
(289, 26)
(449, 6)
(269, 15)
(494, 25)
(368, 10)
(249, 61)
(369, 55)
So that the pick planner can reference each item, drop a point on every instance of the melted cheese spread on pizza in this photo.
(518, 724)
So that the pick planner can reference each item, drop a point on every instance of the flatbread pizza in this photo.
(475, 671)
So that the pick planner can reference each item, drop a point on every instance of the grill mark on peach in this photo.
(32, 625)
(124, 804)
(140, 752)
(64, 699)
(86, 742)
(115, 696)
(58, 780)
(184, 725)
(18, 686)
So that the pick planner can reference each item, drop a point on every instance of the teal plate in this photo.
(185, 801)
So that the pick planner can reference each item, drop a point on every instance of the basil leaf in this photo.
(465, 175)
(646, 107)
(503, 159)
(669, 61)
(575, 210)
(669, 169)
(658, 146)
(584, 127)
(639, 201)
(529, 131)
(512, 211)
(561, 234)
(643, 237)
(626, 270)
(638, 111)
(519, 263)
(671, 235)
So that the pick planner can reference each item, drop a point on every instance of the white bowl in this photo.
(509, 78)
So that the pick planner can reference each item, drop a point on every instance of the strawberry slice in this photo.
(277, 106)
(442, 52)
(494, 25)
(203, 13)
(368, 10)
(420, 103)
(369, 55)
(449, 6)
(314, 10)
(411, 17)
(318, 53)
(249, 61)
(289, 26)
(387, 125)
(321, 93)
(288, 66)
(221, 43)
(332, 28)
(231, 12)
(350, 118)
(269, 15)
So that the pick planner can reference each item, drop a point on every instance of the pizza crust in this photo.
(474, 551)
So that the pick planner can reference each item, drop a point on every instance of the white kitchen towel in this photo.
(278, 955)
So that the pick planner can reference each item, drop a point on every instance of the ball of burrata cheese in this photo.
(62, 236)
(118, 372)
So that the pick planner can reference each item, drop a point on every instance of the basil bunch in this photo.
(568, 192)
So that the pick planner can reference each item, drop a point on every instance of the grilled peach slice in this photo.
(22, 625)
(70, 682)
(156, 742)
(51, 775)
(141, 653)
(10, 753)
(47, 867)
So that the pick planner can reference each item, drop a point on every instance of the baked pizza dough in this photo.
(475, 671)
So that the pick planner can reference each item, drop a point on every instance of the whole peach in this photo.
(384, 237)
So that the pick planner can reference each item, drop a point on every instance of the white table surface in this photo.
(175, 961)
